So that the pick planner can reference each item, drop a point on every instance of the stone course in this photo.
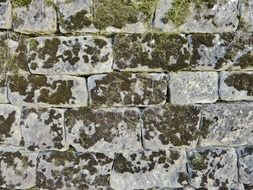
(126, 94)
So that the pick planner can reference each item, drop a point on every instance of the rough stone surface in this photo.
(36, 16)
(227, 124)
(246, 23)
(10, 133)
(104, 130)
(43, 129)
(236, 86)
(213, 168)
(193, 87)
(214, 16)
(3, 90)
(5, 15)
(169, 126)
(151, 168)
(45, 91)
(69, 170)
(119, 89)
(17, 168)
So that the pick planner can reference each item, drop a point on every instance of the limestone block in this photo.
(3, 89)
(246, 16)
(5, 14)
(79, 55)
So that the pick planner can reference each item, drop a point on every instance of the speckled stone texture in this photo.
(126, 94)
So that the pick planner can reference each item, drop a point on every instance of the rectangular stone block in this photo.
(193, 87)
(126, 89)
(213, 168)
(79, 55)
(3, 89)
(197, 16)
(36, 16)
(17, 169)
(5, 14)
(10, 133)
(236, 86)
(227, 125)
(43, 129)
(170, 126)
(69, 170)
(45, 91)
(106, 130)
(149, 169)
(151, 52)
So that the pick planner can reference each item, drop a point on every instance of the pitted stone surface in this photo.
(245, 156)
(69, 170)
(236, 86)
(193, 87)
(169, 126)
(246, 16)
(106, 130)
(151, 52)
(45, 91)
(201, 16)
(5, 14)
(213, 168)
(36, 16)
(43, 128)
(152, 169)
(117, 89)
(10, 133)
(17, 168)
(70, 55)
(3, 90)
(227, 124)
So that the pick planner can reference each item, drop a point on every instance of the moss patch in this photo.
(21, 3)
(245, 60)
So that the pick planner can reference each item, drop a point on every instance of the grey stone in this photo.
(213, 168)
(5, 15)
(235, 86)
(17, 169)
(10, 133)
(170, 126)
(3, 89)
(43, 128)
(193, 87)
(69, 170)
(147, 169)
(127, 89)
(246, 23)
(197, 17)
(77, 55)
(227, 124)
(105, 130)
(37, 17)
(46, 91)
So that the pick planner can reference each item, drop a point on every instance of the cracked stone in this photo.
(170, 126)
(104, 130)
(43, 128)
(70, 55)
(193, 87)
(119, 89)
(45, 91)
(5, 15)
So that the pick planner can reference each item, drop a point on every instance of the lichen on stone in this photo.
(21, 3)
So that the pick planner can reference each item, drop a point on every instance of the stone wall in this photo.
(126, 94)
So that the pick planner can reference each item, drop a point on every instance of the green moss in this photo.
(197, 161)
(246, 60)
(49, 2)
(33, 44)
(68, 1)
(21, 3)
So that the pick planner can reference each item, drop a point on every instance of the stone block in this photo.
(5, 14)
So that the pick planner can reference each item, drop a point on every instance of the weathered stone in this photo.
(170, 126)
(36, 16)
(151, 52)
(10, 133)
(146, 169)
(236, 86)
(70, 55)
(106, 130)
(3, 90)
(213, 168)
(5, 14)
(193, 87)
(43, 129)
(17, 168)
(227, 124)
(215, 16)
(245, 161)
(117, 89)
(69, 170)
(45, 91)
(246, 23)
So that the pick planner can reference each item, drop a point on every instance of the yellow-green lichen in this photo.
(21, 3)
(33, 43)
